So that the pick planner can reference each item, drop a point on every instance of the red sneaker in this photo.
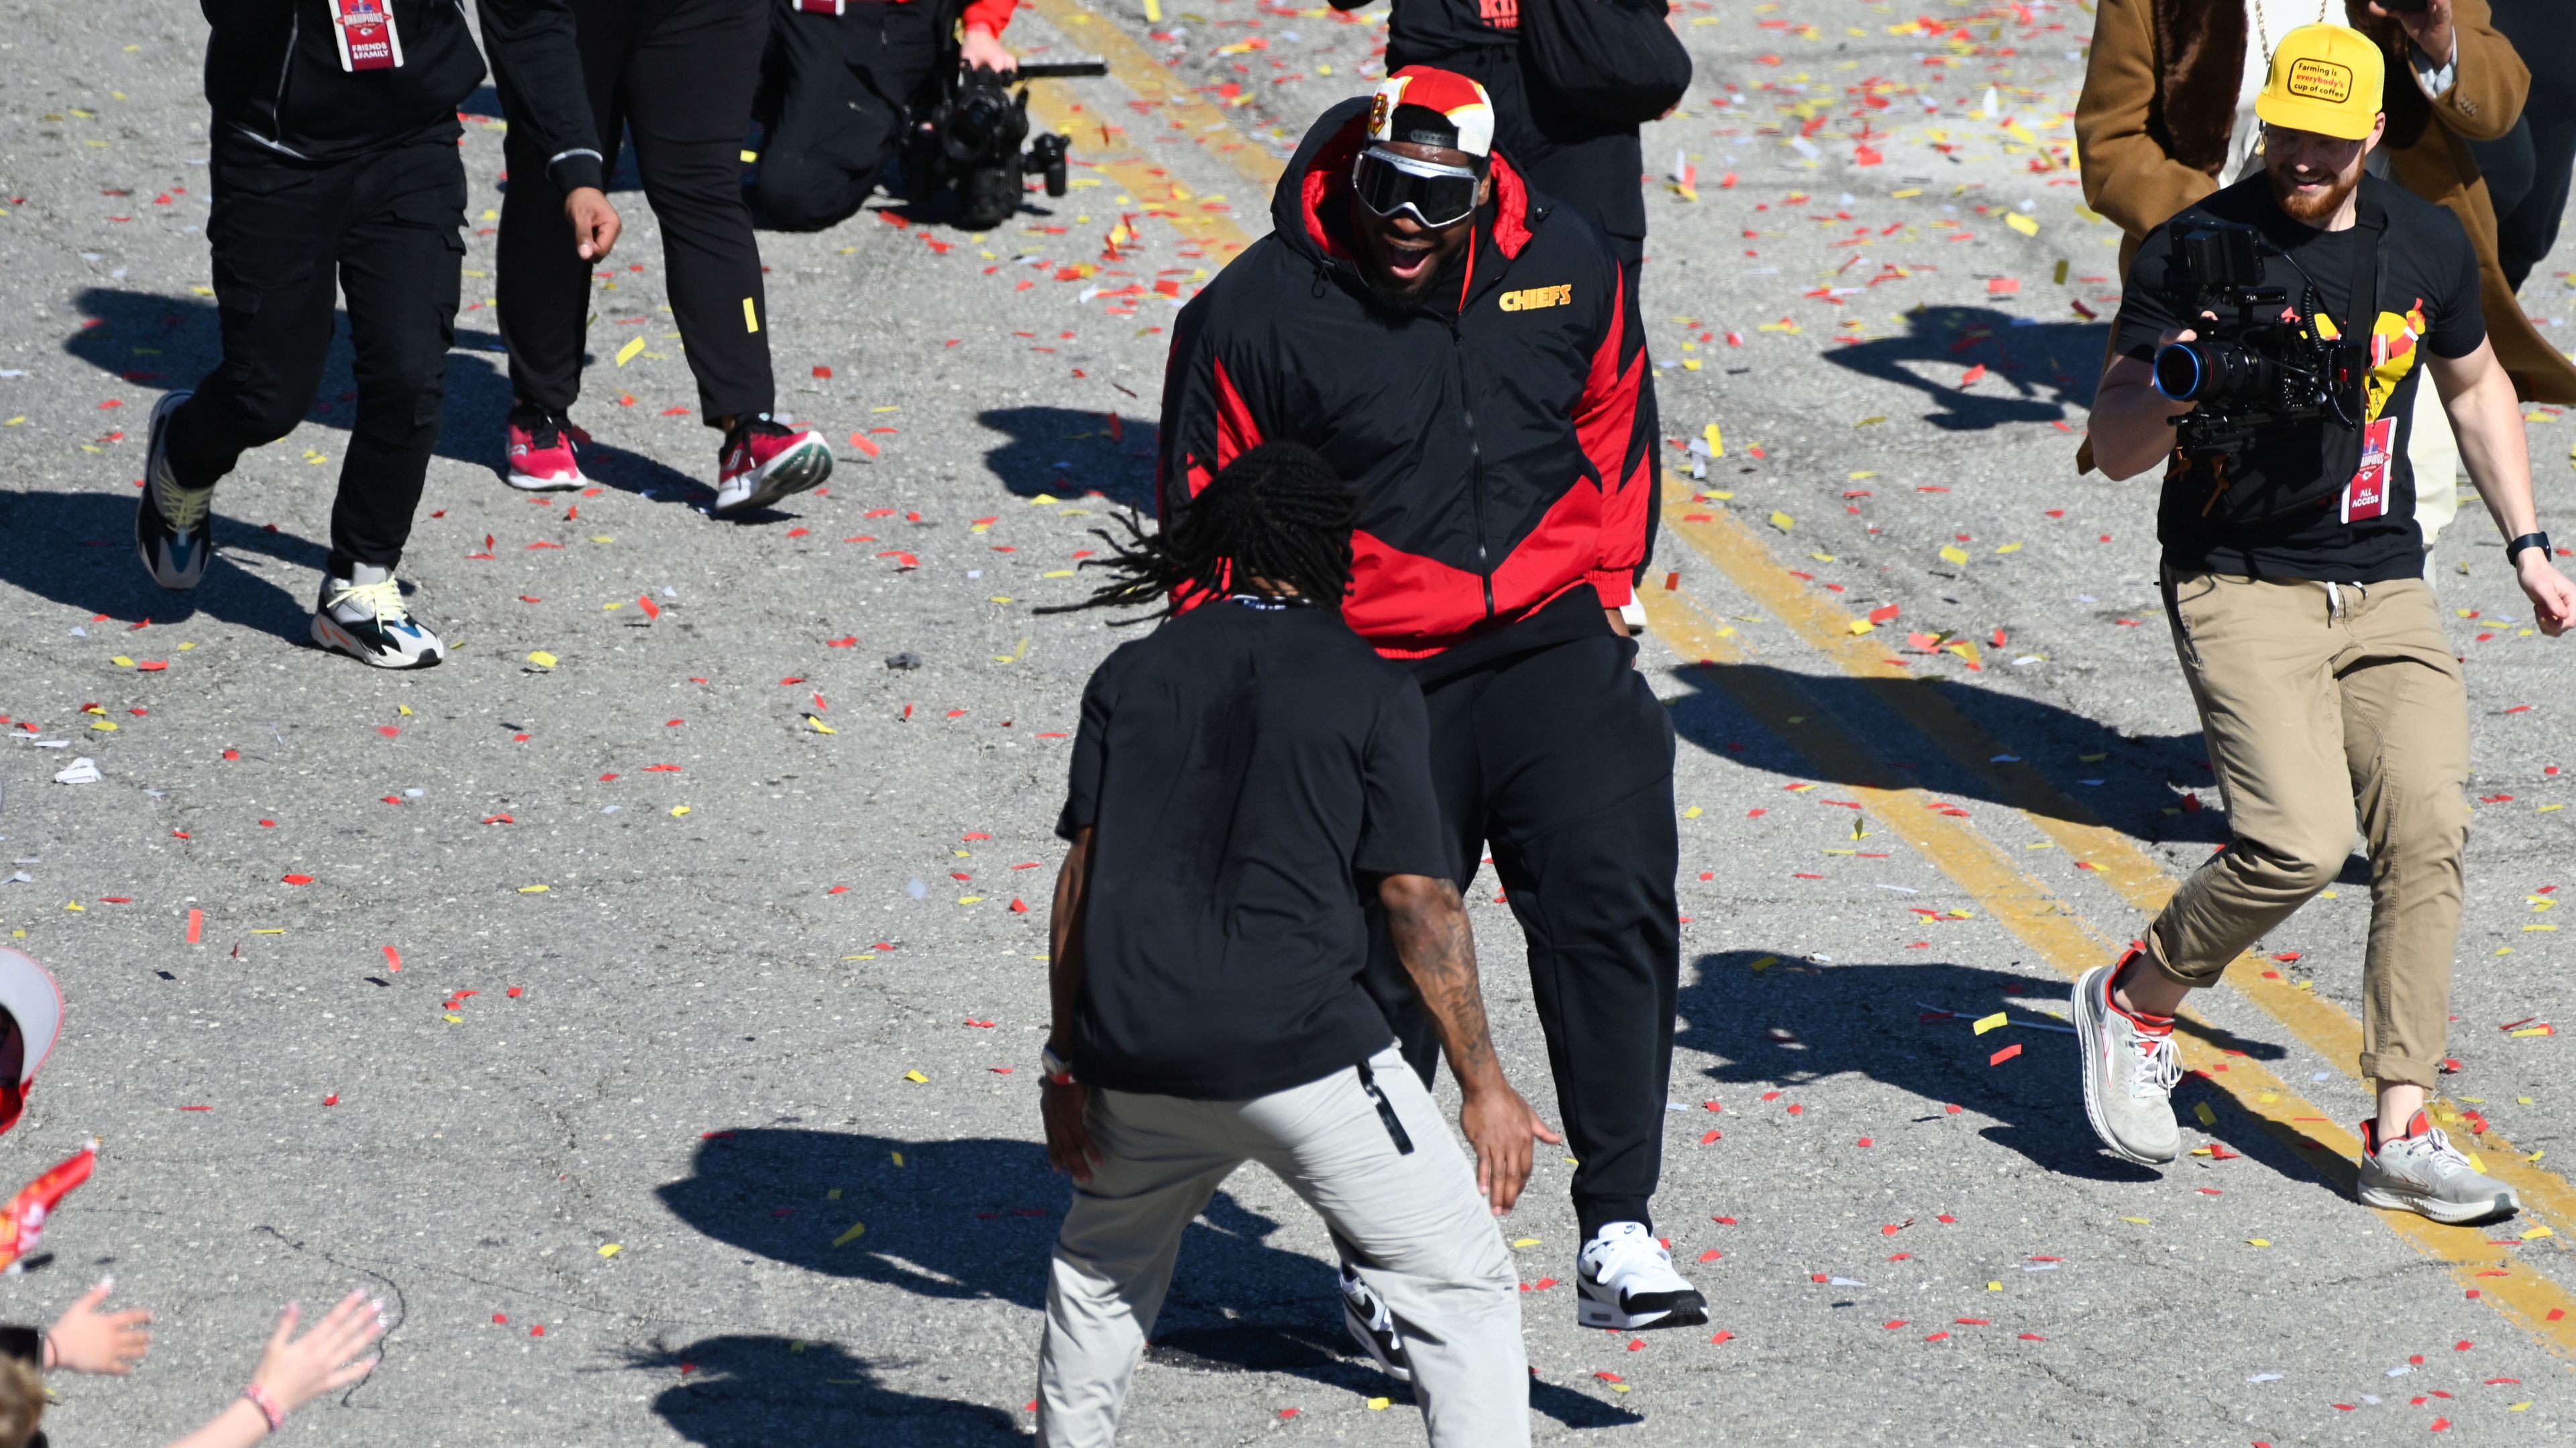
(764, 461)
(541, 455)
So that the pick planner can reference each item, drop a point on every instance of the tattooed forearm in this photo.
(1429, 924)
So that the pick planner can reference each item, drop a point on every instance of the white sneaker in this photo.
(2129, 1074)
(1624, 1279)
(172, 533)
(2422, 1172)
(1372, 1326)
(365, 618)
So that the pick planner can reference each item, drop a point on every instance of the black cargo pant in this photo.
(836, 100)
(679, 74)
(288, 238)
(1562, 759)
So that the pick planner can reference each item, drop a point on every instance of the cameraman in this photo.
(836, 95)
(2293, 577)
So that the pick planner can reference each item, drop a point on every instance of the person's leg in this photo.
(543, 287)
(1162, 1158)
(2259, 659)
(2406, 736)
(688, 99)
(2525, 238)
(274, 231)
(2433, 456)
(400, 262)
(840, 109)
(1578, 761)
(1422, 1237)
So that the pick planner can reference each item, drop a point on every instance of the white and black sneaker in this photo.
(364, 617)
(1372, 1326)
(171, 523)
(1624, 1279)
(764, 460)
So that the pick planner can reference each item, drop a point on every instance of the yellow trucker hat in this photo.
(2326, 79)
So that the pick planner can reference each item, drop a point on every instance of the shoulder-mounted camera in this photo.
(2261, 365)
(971, 139)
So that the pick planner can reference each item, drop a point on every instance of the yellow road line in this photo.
(1135, 68)
(2139, 877)
(2049, 925)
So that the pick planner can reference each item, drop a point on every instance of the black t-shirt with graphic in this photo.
(1247, 772)
(2281, 515)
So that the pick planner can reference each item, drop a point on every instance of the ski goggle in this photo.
(1438, 196)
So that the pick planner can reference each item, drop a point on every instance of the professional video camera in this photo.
(971, 136)
(2251, 371)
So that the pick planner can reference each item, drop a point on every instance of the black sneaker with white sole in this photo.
(366, 619)
(1372, 1326)
(1624, 1279)
(171, 523)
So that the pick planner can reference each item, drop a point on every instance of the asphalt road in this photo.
(627, 988)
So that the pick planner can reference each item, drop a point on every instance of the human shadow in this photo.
(1068, 453)
(751, 1390)
(1909, 1025)
(152, 340)
(77, 549)
(976, 1219)
(2063, 765)
(2034, 370)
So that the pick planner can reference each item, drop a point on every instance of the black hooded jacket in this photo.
(1493, 433)
(273, 74)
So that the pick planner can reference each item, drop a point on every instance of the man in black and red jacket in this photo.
(1466, 354)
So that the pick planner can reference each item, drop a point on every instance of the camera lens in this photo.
(2215, 372)
(2179, 371)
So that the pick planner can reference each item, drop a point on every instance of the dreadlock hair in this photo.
(1277, 514)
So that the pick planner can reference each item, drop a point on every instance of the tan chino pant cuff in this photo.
(2162, 964)
(2388, 1070)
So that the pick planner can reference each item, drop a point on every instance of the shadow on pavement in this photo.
(1880, 1021)
(2034, 370)
(2135, 780)
(1067, 454)
(752, 1391)
(78, 549)
(976, 1219)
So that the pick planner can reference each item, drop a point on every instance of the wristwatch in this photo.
(2514, 549)
(1057, 1072)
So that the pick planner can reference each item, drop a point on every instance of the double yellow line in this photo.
(2044, 920)
(2029, 907)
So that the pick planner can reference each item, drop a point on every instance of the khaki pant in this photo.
(1410, 1220)
(2319, 701)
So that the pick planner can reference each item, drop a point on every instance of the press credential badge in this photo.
(365, 30)
(2366, 496)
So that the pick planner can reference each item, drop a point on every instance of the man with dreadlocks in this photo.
(1464, 352)
(1244, 775)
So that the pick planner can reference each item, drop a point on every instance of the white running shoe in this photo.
(1372, 1326)
(366, 619)
(1624, 1279)
(2422, 1172)
(763, 461)
(2129, 1074)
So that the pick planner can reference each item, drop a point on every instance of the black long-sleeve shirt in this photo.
(273, 74)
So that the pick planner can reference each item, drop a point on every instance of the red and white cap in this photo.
(35, 1005)
(1433, 107)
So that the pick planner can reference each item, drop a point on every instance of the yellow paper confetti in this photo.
(1782, 521)
(857, 1230)
(534, 889)
(1993, 1022)
(1954, 555)
(916, 1078)
(2026, 225)
(2207, 1116)
(627, 353)
(611, 1250)
(2258, 1241)
(542, 659)
(678, 810)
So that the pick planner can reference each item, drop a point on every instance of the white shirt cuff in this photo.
(2436, 80)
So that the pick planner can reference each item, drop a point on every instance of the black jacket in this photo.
(273, 74)
(1493, 434)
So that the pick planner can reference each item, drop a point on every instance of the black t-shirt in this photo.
(2427, 297)
(1249, 770)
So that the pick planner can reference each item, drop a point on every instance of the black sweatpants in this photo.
(679, 74)
(1562, 760)
(288, 238)
(837, 99)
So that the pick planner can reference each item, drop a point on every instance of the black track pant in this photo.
(680, 75)
(288, 237)
(1562, 760)
(835, 99)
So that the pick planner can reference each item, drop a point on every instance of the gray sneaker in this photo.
(2422, 1172)
(2129, 1076)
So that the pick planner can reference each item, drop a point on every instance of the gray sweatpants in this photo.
(1421, 1236)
